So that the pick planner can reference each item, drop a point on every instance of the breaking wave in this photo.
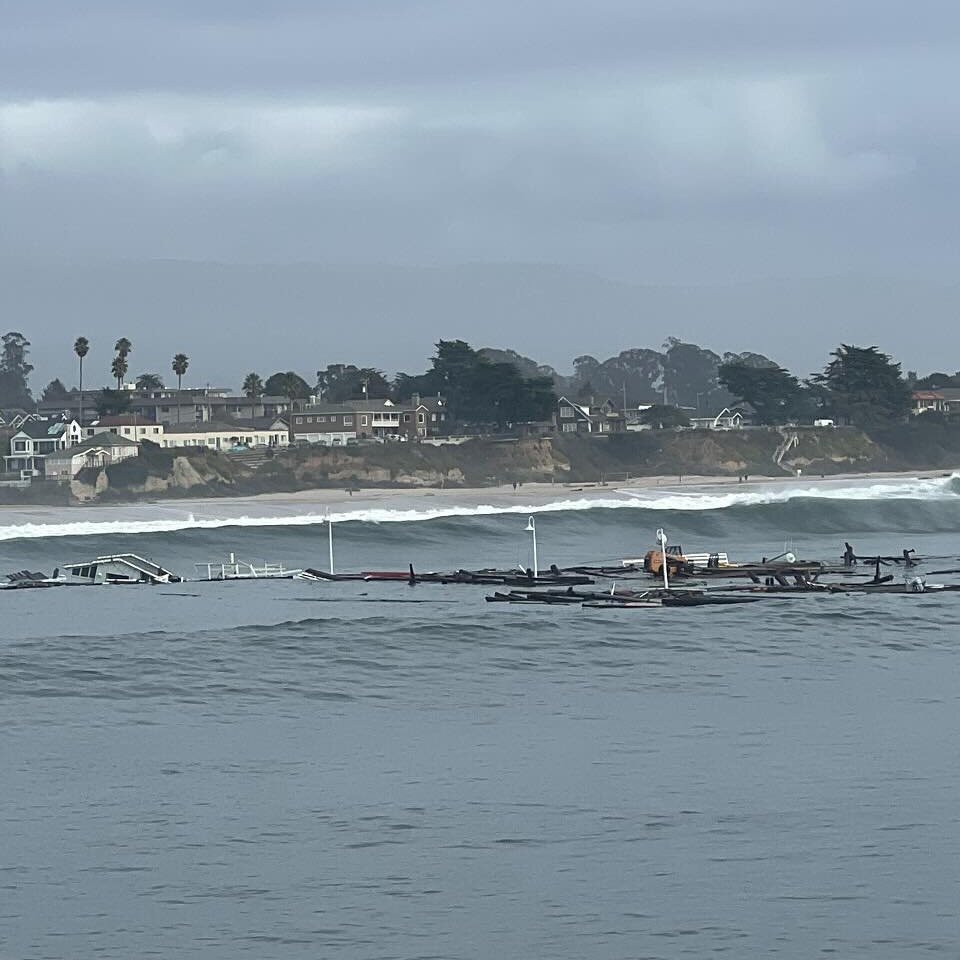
(697, 500)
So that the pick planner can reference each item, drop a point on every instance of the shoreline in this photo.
(532, 496)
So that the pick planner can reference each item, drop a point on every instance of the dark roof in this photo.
(260, 423)
(433, 403)
(191, 400)
(43, 429)
(123, 420)
(206, 426)
(105, 439)
(351, 406)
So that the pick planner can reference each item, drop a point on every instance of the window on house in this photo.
(20, 446)
(569, 428)
(348, 421)
(566, 412)
(421, 418)
(433, 417)
(299, 419)
(406, 418)
(363, 420)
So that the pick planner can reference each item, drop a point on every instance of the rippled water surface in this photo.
(307, 770)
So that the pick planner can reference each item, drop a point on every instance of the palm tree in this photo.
(180, 363)
(81, 347)
(119, 369)
(149, 381)
(120, 366)
(252, 388)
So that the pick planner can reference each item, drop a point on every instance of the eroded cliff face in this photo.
(565, 458)
(476, 463)
(180, 475)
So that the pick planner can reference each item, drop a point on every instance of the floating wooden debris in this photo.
(29, 580)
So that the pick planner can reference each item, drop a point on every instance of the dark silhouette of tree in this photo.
(252, 388)
(774, 394)
(479, 391)
(15, 371)
(81, 347)
(121, 364)
(341, 382)
(113, 402)
(119, 367)
(55, 392)
(290, 385)
(664, 417)
(690, 376)
(149, 381)
(864, 386)
(180, 363)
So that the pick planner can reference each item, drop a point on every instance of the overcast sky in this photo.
(682, 142)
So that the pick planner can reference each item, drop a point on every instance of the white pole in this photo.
(330, 541)
(662, 540)
(532, 528)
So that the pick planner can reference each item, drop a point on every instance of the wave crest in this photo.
(647, 499)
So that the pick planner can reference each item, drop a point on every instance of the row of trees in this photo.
(15, 371)
(860, 385)
(477, 390)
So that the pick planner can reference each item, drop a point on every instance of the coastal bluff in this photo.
(758, 452)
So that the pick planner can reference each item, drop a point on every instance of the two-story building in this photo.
(203, 406)
(334, 424)
(593, 418)
(35, 440)
(129, 426)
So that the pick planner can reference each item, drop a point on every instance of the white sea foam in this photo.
(941, 488)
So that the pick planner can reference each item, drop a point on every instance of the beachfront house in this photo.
(101, 450)
(35, 440)
(225, 436)
(593, 418)
(127, 425)
(335, 424)
(726, 419)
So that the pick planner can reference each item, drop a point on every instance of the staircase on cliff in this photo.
(790, 441)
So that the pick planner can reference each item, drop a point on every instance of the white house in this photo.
(726, 419)
(99, 451)
(37, 439)
(130, 426)
(225, 436)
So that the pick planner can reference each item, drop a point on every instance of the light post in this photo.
(662, 540)
(532, 529)
(330, 541)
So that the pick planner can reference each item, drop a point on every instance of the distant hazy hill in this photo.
(231, 319)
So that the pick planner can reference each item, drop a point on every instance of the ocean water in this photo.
(299, 770)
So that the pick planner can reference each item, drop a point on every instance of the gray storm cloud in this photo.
(688, 142)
